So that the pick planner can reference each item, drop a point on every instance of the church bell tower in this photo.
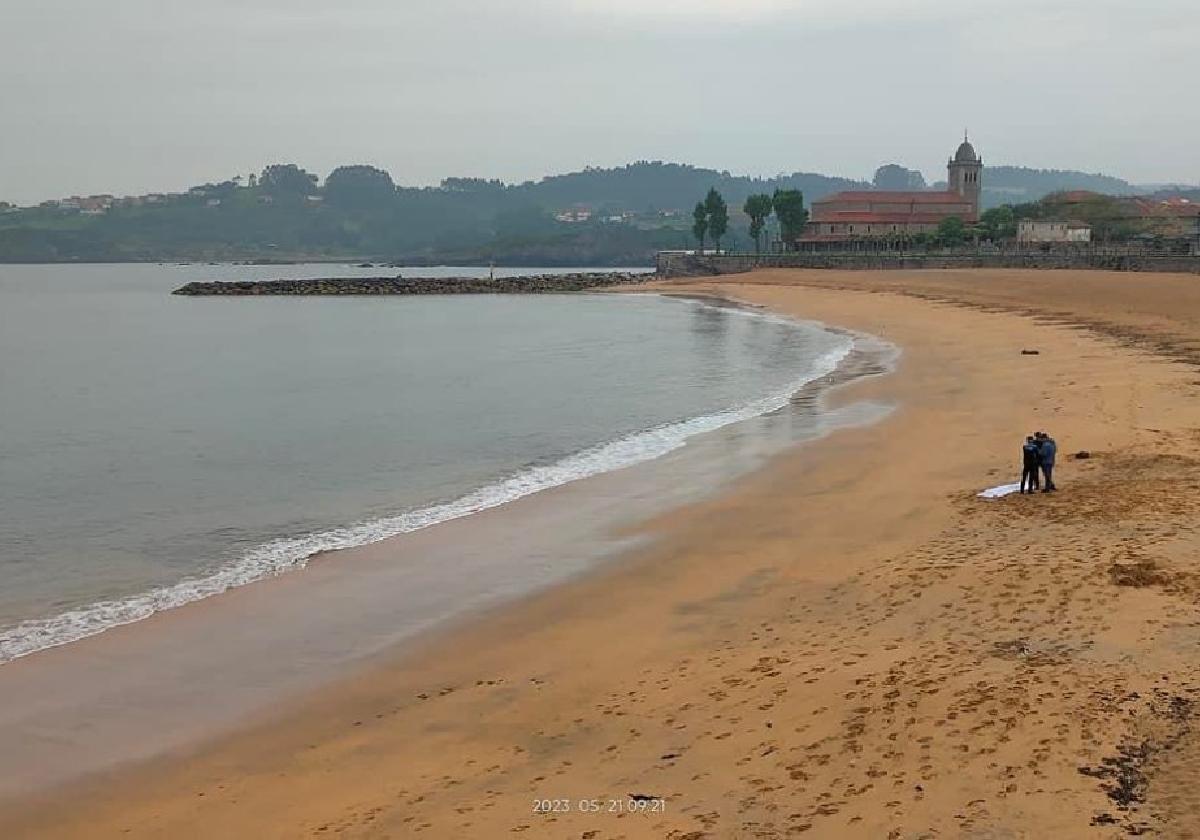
(964, 175)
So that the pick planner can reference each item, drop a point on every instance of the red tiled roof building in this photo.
(858, 214)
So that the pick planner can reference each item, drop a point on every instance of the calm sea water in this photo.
(158, 449)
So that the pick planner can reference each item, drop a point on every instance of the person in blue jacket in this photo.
(1047, 450)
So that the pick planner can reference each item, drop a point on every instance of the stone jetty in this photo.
(529, 285)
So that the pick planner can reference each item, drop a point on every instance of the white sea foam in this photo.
(288, 554)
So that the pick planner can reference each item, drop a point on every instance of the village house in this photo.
(92, 205)
(1175, 217)
(857, 214)
(1172, 217)
(1041, 231)
(576, 215)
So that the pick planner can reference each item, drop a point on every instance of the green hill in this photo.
(612, 216)
(620, 215)
(1020, 185)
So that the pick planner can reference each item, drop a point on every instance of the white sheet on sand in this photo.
(1001, 491)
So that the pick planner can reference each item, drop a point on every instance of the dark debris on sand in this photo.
(1126, 777)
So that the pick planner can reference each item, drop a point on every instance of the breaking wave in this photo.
(291, 553)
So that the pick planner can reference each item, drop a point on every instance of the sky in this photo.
(135, 96)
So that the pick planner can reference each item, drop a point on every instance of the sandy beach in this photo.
(849, 643)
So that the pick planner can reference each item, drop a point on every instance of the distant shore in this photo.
(849, 643)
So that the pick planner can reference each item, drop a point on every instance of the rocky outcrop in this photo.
(529, 285)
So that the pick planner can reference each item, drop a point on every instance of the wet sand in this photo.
(848, 643)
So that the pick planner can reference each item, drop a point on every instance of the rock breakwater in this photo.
(533, 284)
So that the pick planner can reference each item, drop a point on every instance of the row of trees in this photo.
(995, 225)
(710, 218)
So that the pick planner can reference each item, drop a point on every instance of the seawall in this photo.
(691, 265)
(536, 284)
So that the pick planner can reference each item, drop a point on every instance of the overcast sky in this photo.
(131, 96)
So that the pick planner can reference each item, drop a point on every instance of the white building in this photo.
(574, 216)
(1037, 231)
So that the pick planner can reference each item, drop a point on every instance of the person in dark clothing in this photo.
(1031, 460)
(1047, 451)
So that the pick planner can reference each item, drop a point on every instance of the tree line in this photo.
(710, 221)
(710, 217)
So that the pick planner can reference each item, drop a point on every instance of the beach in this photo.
(848, 642)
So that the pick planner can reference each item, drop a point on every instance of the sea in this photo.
(158, 450)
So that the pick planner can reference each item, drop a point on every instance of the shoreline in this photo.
(173, 637)
(32, 636)
(845, 642)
